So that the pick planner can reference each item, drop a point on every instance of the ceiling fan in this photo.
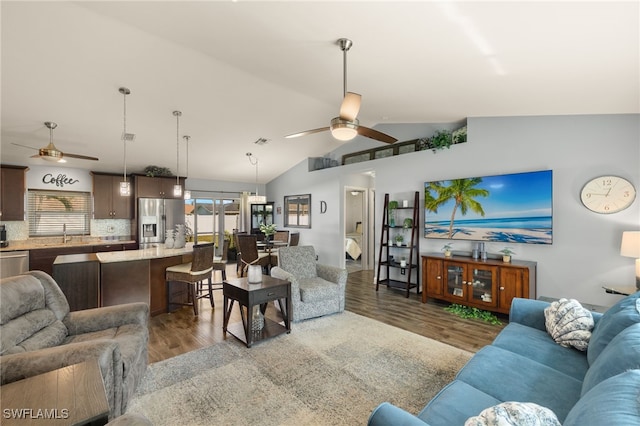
(50, 152)
(346, 126)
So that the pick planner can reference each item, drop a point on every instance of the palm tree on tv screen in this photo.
(462, 191)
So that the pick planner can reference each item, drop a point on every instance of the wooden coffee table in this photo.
(72, 395)
(250, 295)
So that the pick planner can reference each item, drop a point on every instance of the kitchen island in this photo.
(123, 276)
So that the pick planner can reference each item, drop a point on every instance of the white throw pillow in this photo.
(569, 324)
(514, 414)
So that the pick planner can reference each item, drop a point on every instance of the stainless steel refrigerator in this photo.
(155, 217)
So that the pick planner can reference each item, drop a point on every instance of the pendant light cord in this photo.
(251, 160)
(178, 149)
(177, 114)
(124, 136)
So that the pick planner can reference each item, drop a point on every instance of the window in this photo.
(297, 211)
(52, 212)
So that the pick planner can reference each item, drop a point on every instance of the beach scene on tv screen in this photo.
(509, 208)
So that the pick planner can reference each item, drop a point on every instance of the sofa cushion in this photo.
(621, 354)
(541, 348)
(569, 324)
(615, 319)
(614, 401)
(508, 376)
(514, 413)
(34, 330)
(317, 289)
(455, 403)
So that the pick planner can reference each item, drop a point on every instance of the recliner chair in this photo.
(39, 334)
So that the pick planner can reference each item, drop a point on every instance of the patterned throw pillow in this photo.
(569, 323)
(514, 414)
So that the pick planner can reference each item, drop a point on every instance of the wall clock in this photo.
(607, 194)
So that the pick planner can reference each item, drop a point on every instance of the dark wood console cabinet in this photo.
(485, 284)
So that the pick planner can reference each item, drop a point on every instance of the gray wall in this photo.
(586, 246)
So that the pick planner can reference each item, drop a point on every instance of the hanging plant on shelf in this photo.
(155, 171)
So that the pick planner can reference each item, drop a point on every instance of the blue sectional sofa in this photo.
(598, 387)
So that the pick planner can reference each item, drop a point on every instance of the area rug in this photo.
(332, 370)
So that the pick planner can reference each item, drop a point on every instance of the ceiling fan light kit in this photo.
(344, 130)
(346, 126)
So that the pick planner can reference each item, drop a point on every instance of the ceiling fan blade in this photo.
(307, 132)
(81, 157)
(374, 134)
(24, 146)
(350, 106)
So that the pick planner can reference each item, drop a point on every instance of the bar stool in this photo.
(192, 274)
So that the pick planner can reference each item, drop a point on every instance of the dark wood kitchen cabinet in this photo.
(107, 201)
(12, 190)
(156, 187)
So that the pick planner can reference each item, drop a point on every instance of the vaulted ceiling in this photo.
(240, 71)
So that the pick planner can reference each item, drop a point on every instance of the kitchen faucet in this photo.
(64, 234)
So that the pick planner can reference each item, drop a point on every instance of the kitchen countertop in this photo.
(143, 254)
(56, 242)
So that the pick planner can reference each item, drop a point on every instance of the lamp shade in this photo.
(630, 246)
(257, 199)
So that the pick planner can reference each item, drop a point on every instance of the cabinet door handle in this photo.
(438, 277)
(501, 288)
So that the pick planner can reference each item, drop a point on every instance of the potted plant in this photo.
(446, 249)
(399, 239)
(506, 254)
(393, 205)
(442, 139)
(268, 230)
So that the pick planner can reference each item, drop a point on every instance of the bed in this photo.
(353, 242)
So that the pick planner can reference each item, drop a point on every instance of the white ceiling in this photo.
(243, 70)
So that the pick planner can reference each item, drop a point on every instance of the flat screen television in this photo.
(509, 208)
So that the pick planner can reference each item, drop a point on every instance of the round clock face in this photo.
(607, 194)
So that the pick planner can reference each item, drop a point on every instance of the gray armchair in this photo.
(316, 289)
(38, 334)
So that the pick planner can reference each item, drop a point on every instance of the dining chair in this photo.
(249, 255)
(282, 236)
(295, 239)
(192, 274)
(220, 262)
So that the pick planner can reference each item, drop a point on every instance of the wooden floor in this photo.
(179, 332)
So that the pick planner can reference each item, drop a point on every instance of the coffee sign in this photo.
(59, 179)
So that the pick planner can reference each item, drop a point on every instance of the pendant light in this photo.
(187, 193)
(177, 188)
(125, 185)
(255, 199)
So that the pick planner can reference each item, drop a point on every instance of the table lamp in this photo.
(630, 247)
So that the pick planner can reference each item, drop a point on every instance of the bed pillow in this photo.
(569, 324)
(515, 414)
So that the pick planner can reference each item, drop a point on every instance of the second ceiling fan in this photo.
(346, 126)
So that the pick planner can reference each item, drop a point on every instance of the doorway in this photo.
(356, 229)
